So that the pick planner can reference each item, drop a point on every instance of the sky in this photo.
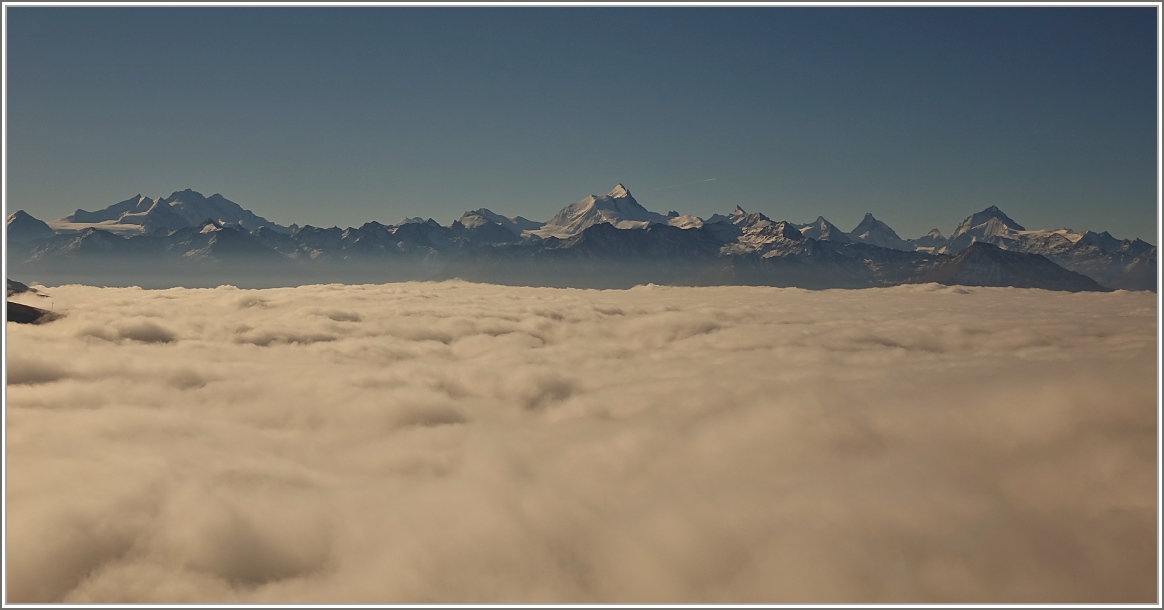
(339, 116)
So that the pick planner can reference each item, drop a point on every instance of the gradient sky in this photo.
(338, 116)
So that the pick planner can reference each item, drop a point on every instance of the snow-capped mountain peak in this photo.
(483, 216)
(618, 208)
(22, 226)
(821, 229)
(162, 227)
(19, 216)
(873, 231)
(990, 225)
(480, 216)
(930, 241)
(733, 217)
(210, 227)
(185, 208)
(979, 219)
(869, 223)
(618, 192)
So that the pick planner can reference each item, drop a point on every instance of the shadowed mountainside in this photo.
(606, 241)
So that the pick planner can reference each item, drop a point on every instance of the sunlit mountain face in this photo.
(601, 241)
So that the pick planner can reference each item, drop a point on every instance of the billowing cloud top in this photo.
(455, 442)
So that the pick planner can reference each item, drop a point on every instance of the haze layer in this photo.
(454, 442)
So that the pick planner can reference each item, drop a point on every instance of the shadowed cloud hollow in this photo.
(455, 442)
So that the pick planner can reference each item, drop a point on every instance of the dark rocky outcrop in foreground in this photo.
(17, 288)
(25, 314)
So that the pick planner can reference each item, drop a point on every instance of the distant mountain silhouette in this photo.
(600, 241)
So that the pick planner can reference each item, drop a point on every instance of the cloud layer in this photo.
(454, 442)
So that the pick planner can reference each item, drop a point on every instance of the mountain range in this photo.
(601, 241)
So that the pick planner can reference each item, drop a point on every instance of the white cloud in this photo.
(455, 442)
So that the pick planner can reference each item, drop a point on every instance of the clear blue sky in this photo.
(338, 116)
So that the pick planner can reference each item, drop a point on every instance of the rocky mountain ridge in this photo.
(600, 240)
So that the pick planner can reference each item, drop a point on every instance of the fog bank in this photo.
(455, 442)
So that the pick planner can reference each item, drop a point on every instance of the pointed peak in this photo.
(867, 223)
(991, 212)
(787, 230)
(738, 212)
(991, 215)
(618, 192)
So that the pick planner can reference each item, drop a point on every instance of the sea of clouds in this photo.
(455, 442)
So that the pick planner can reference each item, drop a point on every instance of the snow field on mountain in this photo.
(456, 442)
